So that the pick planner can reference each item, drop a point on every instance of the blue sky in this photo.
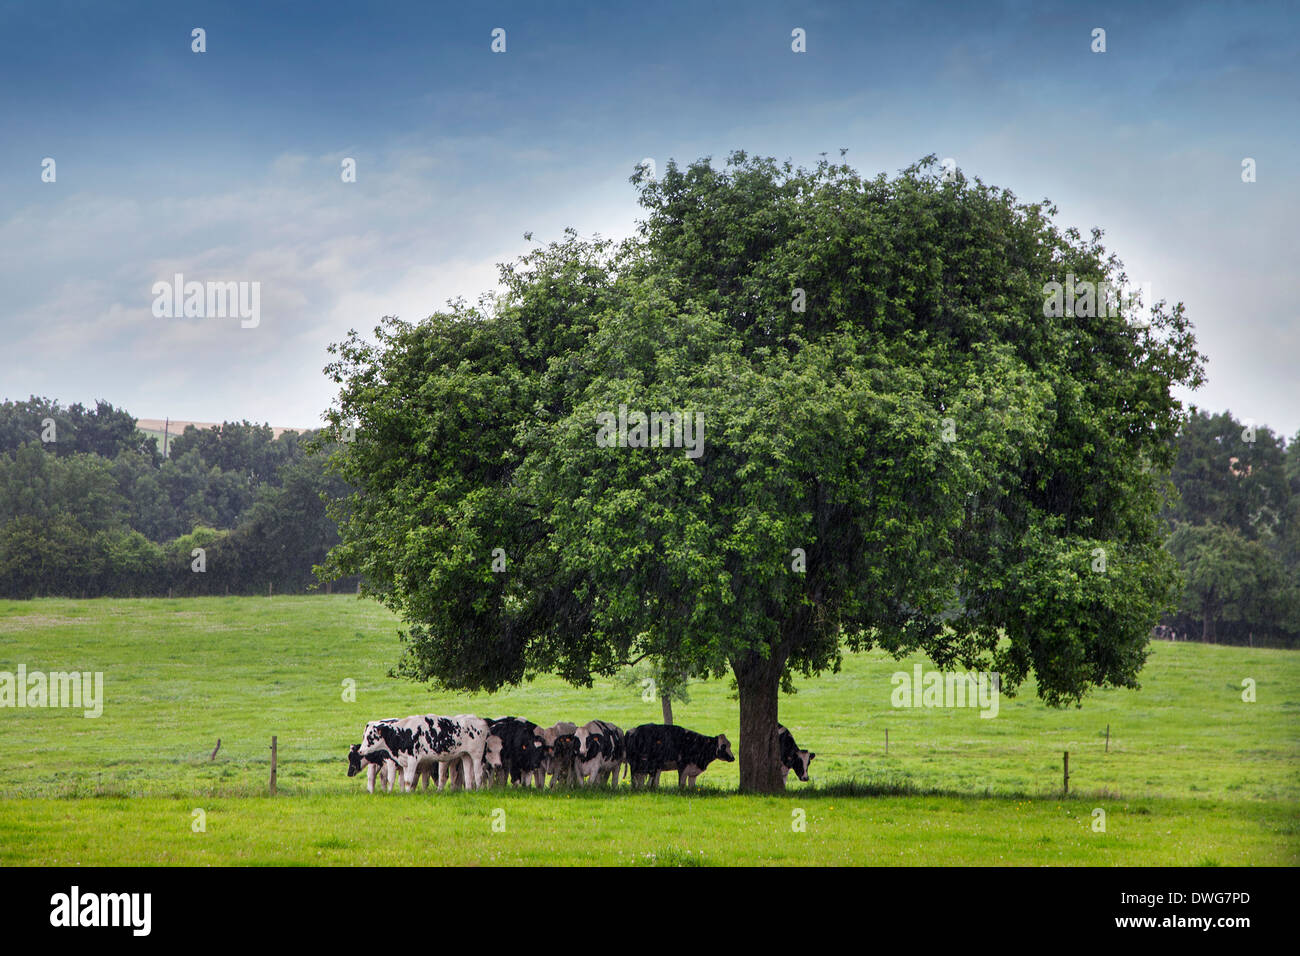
(225, 165)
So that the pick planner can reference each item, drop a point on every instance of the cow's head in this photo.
(354, 760)
(532, 751)
(492, 751)
(802, 759)
(724, 748)
(564, 749)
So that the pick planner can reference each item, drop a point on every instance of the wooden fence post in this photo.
(1108, 738)
(1066, 778)
(273, 756)
(215, 749)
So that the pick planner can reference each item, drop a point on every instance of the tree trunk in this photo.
(667, 703)
(759, 683)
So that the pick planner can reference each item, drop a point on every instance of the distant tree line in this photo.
(1235, 531)
(89, 507)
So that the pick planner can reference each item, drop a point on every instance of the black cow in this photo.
(521, 745)
(562, 755)
(653, 748)
(792, 758)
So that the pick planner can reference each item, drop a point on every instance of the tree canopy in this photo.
(899, 446)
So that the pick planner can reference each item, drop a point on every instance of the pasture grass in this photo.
(710, 828)
(1194, 774)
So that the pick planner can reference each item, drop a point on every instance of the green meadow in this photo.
(1194, 774)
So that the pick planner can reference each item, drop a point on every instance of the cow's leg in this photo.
(654, 780)
(442, 776)
(371, 770)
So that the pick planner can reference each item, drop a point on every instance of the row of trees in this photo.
(99, 512)
(89, 507)
(1236, 532)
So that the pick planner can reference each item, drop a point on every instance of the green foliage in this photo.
(97, 512)
(1224, 479)
(1228, 577)
(1236, 532)
(104, 430)
(824, 430)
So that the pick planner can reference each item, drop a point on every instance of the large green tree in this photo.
(897, 443)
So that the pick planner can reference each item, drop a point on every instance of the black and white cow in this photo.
(601, 752)
(415, 743)
(376, 764)
(792, 758)
(653, 748)
(520, 748)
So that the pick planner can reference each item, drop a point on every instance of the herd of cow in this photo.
(469, 752)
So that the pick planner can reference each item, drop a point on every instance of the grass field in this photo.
(1194, 774)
